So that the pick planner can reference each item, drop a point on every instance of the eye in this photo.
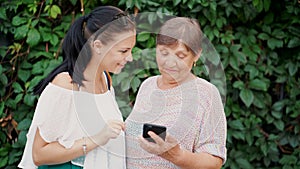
(164, 52)
(181, 56)
(123, 51)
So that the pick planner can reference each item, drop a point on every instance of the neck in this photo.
(94, 80)
(164, 83)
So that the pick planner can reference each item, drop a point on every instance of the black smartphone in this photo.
(157, 129)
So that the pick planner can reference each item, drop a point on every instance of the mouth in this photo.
(122, 65)
(169, 70)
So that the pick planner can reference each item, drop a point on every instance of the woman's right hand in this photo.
(111, 130)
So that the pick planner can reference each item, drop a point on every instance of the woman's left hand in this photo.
(168, 149)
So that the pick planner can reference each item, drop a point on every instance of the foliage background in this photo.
(258, 42)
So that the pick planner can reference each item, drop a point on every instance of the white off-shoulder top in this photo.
(65, 116)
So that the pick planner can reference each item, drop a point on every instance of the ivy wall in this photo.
(258, 42)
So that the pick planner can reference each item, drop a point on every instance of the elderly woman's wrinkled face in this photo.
(174, 62)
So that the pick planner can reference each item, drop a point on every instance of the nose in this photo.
(170, 62)
(129, 57)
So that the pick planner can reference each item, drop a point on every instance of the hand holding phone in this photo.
(157, 129)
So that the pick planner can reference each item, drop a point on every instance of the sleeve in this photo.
(53, 115)
(50, 117)
(213, 130)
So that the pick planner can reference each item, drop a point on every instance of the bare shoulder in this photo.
(63, 80)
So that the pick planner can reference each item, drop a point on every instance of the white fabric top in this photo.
(192, 112)
(65, 116)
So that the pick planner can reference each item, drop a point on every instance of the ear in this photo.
(97, 45)
(198, 55)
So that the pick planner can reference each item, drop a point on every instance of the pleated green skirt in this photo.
(67, 165)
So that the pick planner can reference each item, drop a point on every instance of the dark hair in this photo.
(181, 29)
(80, 31)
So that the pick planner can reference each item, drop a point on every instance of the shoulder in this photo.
(63, 80)
(149, 82)
(202, 83)
(206, 87)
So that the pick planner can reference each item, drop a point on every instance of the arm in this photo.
(55, 153)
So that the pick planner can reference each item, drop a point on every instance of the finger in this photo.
(170, 138)
(146, 145)
(156, 138)
(117, 125)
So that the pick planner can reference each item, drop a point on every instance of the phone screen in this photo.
(157, 129)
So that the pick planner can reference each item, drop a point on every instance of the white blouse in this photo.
(65, 116)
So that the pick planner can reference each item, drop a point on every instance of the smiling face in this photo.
(117, 53)
(175, 62)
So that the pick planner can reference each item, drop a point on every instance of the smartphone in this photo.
(157, 129)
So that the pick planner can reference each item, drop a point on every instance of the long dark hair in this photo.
(77, 36)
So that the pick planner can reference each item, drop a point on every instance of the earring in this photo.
(194, 64)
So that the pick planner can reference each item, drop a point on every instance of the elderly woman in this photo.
(190, 107)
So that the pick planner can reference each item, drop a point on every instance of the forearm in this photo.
(188, 160)
(55, 153)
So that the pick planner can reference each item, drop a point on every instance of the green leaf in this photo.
(269, 18)
(3, 79)
(288, 159)
(120, 77)
(252, 71)
(239, 84)
(293, 68)
(247, 97)
(276, 114)
(125, 85)
(34, 23)
(135, 83)
(2, 105)
(29, 99)
(281, 79)
(19, 98)
(279, 124)
(54, 11)
(176, 2)
(233, 61)
(264, 148)
(294, 42)
(255, 2)
(152, 18)
(3, 161)
(23, 75)
(141, 37)
(294, 141)
(3, 14)
(73, 2)
(279, 105)
(17, 87)
(191, 3)
(275, 43)
(150, 42)
(236, 124)
(21, 32)
(33, 37)
(54, 40)
(16, 21)
(258, 85)
(243, 163)
(263, 36)
(267, 4)
(24, 124)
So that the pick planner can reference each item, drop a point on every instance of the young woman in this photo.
(190, 107)
(77, 122)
